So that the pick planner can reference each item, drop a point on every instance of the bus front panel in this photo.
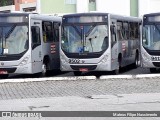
(85, 44)
(150, 48)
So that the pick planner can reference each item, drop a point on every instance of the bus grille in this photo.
(89, 67)
(157, 64)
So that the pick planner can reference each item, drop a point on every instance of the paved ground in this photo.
(120, 102)
(77, 88)
(111, 94)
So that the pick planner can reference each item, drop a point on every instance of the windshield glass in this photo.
(13, 39)
(84, 38)
(151, 37)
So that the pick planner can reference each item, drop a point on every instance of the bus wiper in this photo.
(79, 33)
(10, 31)
(90, 30)
(76, 29)
(90, 39)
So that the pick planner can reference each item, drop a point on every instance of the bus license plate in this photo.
(74, 61)
(155, 58)
(83, 69)
(3, 72)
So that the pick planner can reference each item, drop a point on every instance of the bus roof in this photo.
(84, 14)
(32, 15)
(119, 17)
(13, 14)
(127, 18)
(152, 14)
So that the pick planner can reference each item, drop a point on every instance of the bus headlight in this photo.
(104, 59)
(24, 61)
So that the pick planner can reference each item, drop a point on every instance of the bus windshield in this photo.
(82, 38)
(151, 36)
(13, 39)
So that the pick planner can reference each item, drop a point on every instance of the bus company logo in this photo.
(2, 63)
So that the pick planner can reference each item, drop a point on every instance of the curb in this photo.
(138, 76)
(116, 77)
(148, 76)
(48, 79)
(74, 78)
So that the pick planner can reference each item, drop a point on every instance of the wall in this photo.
(134, 8)
(10, 7)
(148, 6)
(82, 6)
(92, 6)
(121, 7)
(56, 6)
(28, 1)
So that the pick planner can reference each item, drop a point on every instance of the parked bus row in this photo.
(29, 43)
(37, 44)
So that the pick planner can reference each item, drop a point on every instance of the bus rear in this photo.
(150, 42)
(85, 43)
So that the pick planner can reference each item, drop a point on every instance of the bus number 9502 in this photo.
(74, 61)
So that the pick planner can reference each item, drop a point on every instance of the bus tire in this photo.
(77, 73)
(135, 64)
(153, 70)
(5, 76)
(45, 66)
(116, 71)
(44, 69)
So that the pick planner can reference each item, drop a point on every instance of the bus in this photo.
(150, 42)
(29, 43)
(98, 42)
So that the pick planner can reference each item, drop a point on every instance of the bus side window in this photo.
(35, 36)
(113, 34)
(134, 30)
(56, 31)
(120, 35)
(126, 30)
(47, 31)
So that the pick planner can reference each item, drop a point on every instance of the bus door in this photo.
(36, 52)
(114, 44)
(55, 45)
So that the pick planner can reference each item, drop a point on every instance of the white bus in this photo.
(29, 43)
(150, 42)
(99, 42)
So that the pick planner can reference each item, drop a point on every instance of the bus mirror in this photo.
(113, 29)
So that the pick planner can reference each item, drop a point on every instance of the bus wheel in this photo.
(4, 76)
(153, 70)
(116, 71)
(135, 65)
(44, 69)
(77, 73)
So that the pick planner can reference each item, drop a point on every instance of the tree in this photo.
(3, 3)
(6, 2)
